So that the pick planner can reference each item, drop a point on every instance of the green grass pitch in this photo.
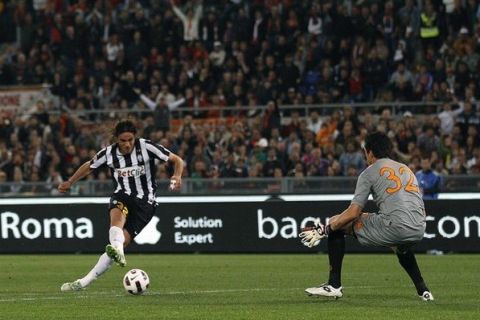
(238, 287)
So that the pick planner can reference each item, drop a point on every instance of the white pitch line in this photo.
(86, 294)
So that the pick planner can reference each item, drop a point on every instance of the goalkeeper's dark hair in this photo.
(379, 144)
(124, 126)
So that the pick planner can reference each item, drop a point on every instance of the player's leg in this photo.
(117, 236)
(117, 219)
(409, 263)
(131, 221)
(336, 252)
(103, 264)
(118, 239)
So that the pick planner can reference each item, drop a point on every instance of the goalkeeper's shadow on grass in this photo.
(325, 300)
(382, 300)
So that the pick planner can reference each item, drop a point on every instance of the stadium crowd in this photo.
(115, 55)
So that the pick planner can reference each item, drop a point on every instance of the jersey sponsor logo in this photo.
(131, 172)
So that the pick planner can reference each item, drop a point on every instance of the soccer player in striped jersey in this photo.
(131, 161)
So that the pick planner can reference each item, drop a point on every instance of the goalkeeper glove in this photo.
(311, 236)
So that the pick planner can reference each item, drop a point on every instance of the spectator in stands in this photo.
(430, 27)
(217, 56)
(190, 21)
(473, 164)
(258, 28)
(271, 163)
(199, 156)
(428, 141)
(347, 133)
(467, 117)
(113, 47)
(317, 164)
(375, 75)
(423, 81)
(402, 82)
(271, 118)
(18, 186)
(348, 114)
(409, 17)
(161, 108)
(429, 181)
(314, 122)
(447, 117)
(351, 158)
(227, 167)
(458, 18)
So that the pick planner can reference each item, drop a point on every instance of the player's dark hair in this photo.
(379, 144)
(124, 126)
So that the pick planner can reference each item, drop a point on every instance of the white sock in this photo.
(116, 237)
(103, 264)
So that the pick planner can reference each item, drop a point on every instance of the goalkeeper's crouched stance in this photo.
(400, 223)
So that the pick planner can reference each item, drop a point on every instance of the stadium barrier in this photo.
(228, 186)
(213, 224)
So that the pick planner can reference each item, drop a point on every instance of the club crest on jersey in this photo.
(131, 172)
(139, 158)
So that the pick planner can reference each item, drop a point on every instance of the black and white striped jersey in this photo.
(134, 173)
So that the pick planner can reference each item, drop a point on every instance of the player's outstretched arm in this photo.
(81, 172)
(176, 179)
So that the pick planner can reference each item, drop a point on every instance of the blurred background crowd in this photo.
(121, 55)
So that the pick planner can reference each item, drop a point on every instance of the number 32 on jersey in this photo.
(392, 176)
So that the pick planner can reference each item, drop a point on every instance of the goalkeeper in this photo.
(399, 224)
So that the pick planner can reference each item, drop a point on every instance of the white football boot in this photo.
(116, 255)
(71, 286)
(426, 296)
(325, 290)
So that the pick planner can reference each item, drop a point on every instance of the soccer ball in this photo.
(136, 281)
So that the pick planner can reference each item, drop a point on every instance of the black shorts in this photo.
(137, 211)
